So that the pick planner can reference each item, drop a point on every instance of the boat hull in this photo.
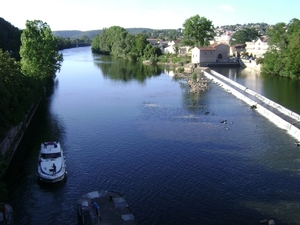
(48, 179)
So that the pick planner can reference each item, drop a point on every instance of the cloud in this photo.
(226, 8)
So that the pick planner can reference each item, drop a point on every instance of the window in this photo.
(51, 155)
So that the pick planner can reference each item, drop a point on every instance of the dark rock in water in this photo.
(253, 106)
(265, 221)
(271, 222)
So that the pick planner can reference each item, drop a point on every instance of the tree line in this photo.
(23, 82)
(118, 42)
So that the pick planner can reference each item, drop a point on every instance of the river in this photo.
(136, 130)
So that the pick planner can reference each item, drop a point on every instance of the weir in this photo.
(277, 114)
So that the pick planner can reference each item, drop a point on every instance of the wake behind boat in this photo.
(51, 163)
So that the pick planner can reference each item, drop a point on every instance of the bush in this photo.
(259, 60)
(180, 70)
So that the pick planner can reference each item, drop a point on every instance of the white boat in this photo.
(51, 163)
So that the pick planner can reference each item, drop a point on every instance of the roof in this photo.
(264, 38)
(211, 47)
(239, 46)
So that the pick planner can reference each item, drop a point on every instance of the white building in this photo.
(257, 48)
(210, 54)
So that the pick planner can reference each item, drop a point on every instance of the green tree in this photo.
(138, 45)
(39, 51)
(244, 35)
(103, 43)
(122, 45)
(283, 56)
(116, 41)
(197, 31)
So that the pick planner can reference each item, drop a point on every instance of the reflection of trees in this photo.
(119, 69)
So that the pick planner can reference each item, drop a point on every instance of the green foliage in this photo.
(197, 31)
(170, 58)
(244, 35)
(283, 57)
(194, 77)
(16, 92)
(39, 51)
(116, 41)
(65, 43)
(180, 70)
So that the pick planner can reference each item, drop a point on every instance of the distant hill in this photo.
(91, 33)
(76, 33)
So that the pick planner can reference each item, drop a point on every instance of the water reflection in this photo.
(118, 69)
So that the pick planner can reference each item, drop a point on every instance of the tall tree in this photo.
(244, 35)
(197, 31)
(39, 51)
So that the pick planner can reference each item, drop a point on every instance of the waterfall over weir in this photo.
(279, 115)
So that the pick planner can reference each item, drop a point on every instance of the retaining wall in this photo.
(10, 143)
(280, 122)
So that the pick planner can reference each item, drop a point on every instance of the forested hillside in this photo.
(76, 34)
(10, 38)
(167, 34)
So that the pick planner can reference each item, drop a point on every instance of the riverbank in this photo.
(10, 142)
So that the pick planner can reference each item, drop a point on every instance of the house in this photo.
(224, 38)
(259, 47)
(210, 54)
(171, 47)
(153, 41)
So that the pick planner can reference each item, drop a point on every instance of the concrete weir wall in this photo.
(10, 143)
(273, 117)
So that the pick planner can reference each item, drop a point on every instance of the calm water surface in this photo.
(138, 131)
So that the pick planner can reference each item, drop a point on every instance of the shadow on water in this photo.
(52, 186)
(45, 126)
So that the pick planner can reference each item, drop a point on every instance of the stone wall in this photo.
(10, 143)
(250, 64)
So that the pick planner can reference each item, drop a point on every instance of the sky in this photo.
(87, 15)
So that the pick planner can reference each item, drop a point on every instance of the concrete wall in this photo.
(10, 143)
(291, 129)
